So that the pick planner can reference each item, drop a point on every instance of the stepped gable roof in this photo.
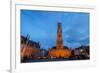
(30, 42)
(83, 47)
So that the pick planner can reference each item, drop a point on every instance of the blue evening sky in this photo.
(42, 27)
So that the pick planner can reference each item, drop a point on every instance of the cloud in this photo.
(42, 27)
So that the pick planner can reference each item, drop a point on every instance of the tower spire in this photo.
(59, 43)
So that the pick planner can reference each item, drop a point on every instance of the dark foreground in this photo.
(49, 60)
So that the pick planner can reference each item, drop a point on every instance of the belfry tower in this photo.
(59, 43)
(60, 51)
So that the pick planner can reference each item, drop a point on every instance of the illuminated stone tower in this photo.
(60, 51)
(59, 44)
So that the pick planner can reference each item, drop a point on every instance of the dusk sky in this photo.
(42, 27)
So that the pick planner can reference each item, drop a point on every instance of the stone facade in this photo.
(59, 51)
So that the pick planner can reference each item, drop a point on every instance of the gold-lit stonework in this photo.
(60, 51)
(29, 49)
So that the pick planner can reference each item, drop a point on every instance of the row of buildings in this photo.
(33, 50)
